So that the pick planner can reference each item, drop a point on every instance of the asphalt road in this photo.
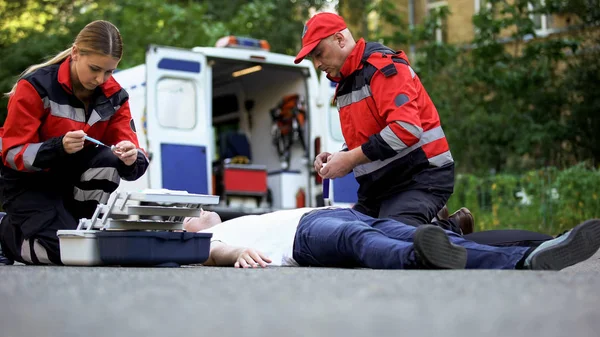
(208, 301)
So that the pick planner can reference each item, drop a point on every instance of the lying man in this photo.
(343, 237)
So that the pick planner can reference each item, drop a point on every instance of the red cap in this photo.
(320, 26)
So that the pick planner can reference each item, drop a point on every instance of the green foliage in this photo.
(33, 31)
(547, 200)
(279, 22)
(510, 103)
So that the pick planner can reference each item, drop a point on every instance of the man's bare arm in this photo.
(222, 254)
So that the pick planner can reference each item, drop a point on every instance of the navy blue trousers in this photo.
(347, 238)
(38, 204)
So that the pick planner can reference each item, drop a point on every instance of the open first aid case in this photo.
(113, 236)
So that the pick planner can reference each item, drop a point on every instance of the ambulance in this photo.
(237, 121)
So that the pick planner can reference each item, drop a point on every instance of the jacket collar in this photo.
(64, 75)
(352, 62)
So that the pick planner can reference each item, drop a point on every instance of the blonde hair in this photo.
(100, 37)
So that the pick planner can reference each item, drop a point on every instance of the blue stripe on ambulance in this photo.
(180, 65)
(345, 189)
(184, 168)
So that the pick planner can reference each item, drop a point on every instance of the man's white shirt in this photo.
(270, 233)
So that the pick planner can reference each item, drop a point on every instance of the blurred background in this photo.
(516, 83)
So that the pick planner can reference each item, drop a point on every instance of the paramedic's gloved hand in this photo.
(319, 160)
(126, 151)
(73, 141)
(338, 165)
(251, 258)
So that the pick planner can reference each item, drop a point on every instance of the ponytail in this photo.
(101, 37)
(56, 59)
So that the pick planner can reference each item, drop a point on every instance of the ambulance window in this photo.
(334, 123)
(176, 103)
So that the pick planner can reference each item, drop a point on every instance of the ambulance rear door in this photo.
(178, 119)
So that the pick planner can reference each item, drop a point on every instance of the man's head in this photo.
(206, 220)
(327, 41)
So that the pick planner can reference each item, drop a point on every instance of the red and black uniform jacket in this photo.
(43, 109)
(386, 111)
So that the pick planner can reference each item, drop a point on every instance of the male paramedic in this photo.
(344, 237)
(395, 142)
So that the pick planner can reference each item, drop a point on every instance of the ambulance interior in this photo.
(245, 98)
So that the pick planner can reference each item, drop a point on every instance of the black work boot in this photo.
(576, 245)
(464, 219)
(435, 251)
(443, 214)
(4, 261)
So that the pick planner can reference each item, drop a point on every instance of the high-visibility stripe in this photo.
(97, 195)
(436, 147)
(95, 116)
(427, 137)
(40, 253)
(72, 113)
(441, 159)
(101, 173)
(412, 72)
(401, 135)
(28, 156)
(10, 156)
(392, 139)
(65, 110)
(354, 96)
(26, 251)
(46, 102)
(415, 130)
(32, 252)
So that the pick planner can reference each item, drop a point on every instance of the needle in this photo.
(95, 141)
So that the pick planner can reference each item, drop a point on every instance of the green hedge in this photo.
(557, 200)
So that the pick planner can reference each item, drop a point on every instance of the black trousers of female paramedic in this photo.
(40, 203)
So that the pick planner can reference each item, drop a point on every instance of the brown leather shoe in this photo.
(444, 213)
(465, 220)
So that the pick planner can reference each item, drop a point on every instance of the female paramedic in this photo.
(51, 174)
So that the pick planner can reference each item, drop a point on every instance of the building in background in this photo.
(457, 28)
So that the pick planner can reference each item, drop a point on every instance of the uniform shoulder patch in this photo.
(132, 125)
(401, 99)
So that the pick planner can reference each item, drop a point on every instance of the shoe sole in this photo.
(583, 242)
(434, 247)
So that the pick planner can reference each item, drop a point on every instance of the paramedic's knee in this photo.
(101, 157)
(412, 207)
(105, 179)
(100, 175)
(365, 209)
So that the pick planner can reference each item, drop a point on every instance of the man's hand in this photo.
(319, 160)
(251, 258)
(341, 163)
(126, 151)
(338, 165)
(73, 141)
